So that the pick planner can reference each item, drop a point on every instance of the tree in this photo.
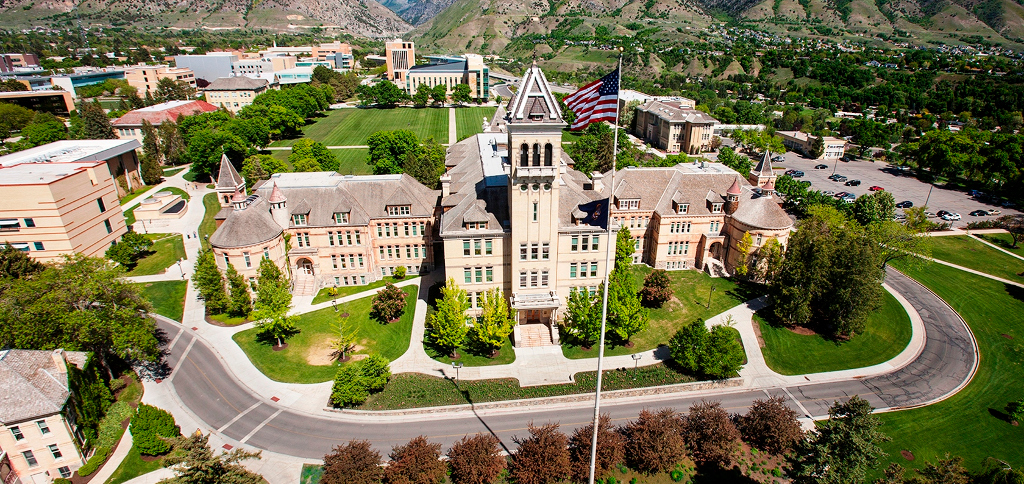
(132, 247)
(15, 264)
(278, 326)
(495, 323)
(896, 241)
(583, 317)
(1014, 224)
(388, 304)
(422, 96)
(440, 94)
(1015, 410)
(996, 471)
(426, 164)
(771, 426)
(876, 207)
(260, 167)
(657, 289)
(542, 458)
(172, 145)
(346, 341)
(462, 94)
(240, 301)
(917, 220)
(817, 147)
(743, 248)
(654, 441)
(195, 463)
(375, 371)
(152, 174)
(448, 323)
(168, 89)
(95, 123)
(417, 462)
(710, 354)
(389, 95)
(353, 463)
(13, 118)
(841, 449)
(152, 429)
(626, 316)
(349, 389)
(476, 460)
(207, 279)
(272, 294)
(948, 470)
(150, 141)
(728, 157)
(44, 128)
(710, 434)
(387, 150)
(769, 261)
(306, 165)
(305, 149)
(281, 121)
(611, 449)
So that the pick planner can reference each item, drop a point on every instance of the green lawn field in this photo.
(970, 424)
(324, 295)
(469, 121)
(886, 333)
(967, 252)
(1004, 241)
(208, 225)
(351, 126)
(167, 297)
(302, 361)
(352, 161)
(167, 249)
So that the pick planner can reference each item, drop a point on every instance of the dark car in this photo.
(842, 194)
(905, 204)
(797, 174)
(941, 213)
(853, 183)
(821, 167)
(979, 213)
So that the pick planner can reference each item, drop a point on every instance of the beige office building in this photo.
(38, 433)
(399, 58)
(146, 78)
(801, 142)
(470, 71)
(323, 51)
(673, 127)
(234, 93)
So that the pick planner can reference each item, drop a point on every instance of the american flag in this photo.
(595, 102)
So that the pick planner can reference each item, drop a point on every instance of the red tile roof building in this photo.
(129, 126)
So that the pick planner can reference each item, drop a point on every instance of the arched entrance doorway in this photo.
(304, 266)
(716, 250)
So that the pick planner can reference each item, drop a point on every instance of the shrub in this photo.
(542, 458)
(710, 434)
(610, 449)
(399, 272)
(418, 462)
(116, 385)
(94, 462)
(349, 388)
(1016, 410)
(353, 463)
(130, 249)
(110, 430)
(771, 426)
(657, 289)
(476, 460)
(376, 370)
(710, 354)
(654, 442)
(61, 480)
(388, 304)
(148, 426)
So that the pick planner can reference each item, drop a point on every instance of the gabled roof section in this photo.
(228, 177)
(764, 167)
(33, 384)
(534, 97)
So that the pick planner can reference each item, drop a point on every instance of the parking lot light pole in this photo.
(835, 167)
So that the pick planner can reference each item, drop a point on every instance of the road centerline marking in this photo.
(240, 415)
(261, 425)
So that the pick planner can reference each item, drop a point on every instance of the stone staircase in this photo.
(535, 335)
(304, 286)
(715, 268)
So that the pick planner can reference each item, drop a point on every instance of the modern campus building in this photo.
(801, 142)
(234, 93)
(673, 127)
(338, 53)
(39, 435)
(129, 126)
(58, 103)
(262, 68)
(146, 78)
(468, 69)
(399, 58)
(84, 76)
(512, 214)
(11, 62)
(209, 66)
(62, 198)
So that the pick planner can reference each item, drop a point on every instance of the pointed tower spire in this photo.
(228, 176)
(763, 172)
(276, 196)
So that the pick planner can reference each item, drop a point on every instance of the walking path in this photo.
(994, 246)
(115, 459)
(452, 131)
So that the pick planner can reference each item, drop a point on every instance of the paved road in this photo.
(210, 392)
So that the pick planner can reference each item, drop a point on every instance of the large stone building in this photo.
(468, 69)
(146, 78)
(513, 214)
(673, 127)
(129, 126)
(37, 423)
(234, 93)
(803, 143)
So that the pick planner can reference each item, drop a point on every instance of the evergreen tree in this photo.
(426, 164)
(241, 301)
(448, 323)
(95, 123)
(15, 264)
(206, 278)
(172, 145)
(495, 323)
(150, 141)
(841, 449)
(195, 463)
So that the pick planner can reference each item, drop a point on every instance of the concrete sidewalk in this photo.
(994, 246)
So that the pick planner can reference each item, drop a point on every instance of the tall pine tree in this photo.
(208, 280)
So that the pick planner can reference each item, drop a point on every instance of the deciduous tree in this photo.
(491, 329)
(387, 150)
(583, 317)
(896, 242)
(476, 460)
(388, 304)
(462, 94)
(626, 316)
(152, 428)
(132, 247)
(1015, 410)
(542, 458)
(743, 248)
(448, 323)
(654, 441)
(417, 462)
(841, 449)
(710, 434)
(948, 470)
(710, 354)
(657, 289)
(353, 463)
(306, 148)
(611, 448)
(1014, 224)
(771, 426)
(876, 207)
(206, 277)
(15, 264)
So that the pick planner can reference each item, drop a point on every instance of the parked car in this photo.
(979, 213)
(853, 183)
(975, 193)
(929, 214)
(821, 167)
(789, 172)
(828, 193)
(951, 217)
(778, 159)
(993, 211)
(941, 213)
(1008, 204)
(905, 204)
(876, 188)
(842, 194)
(849, 197)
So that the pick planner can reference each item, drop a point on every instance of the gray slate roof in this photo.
(250, 226)
(228, 177)
(762, 212)
(240, 83)
(32, 385)
(673, 113)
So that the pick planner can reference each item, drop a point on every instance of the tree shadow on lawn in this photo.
(999, 414)
(773, 321)
(712, 474)
(1015, 292)
(746, 290)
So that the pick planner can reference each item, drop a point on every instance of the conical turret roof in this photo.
(228, 177)
(735, 189)
(276, 196)
(764, 167)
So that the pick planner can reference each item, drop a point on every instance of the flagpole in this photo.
(609, 244)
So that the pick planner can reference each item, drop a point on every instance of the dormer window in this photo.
(476, 225)
(341, 217)
(682, 208)
(299, 219)
(399, 210)
(629, 204)
(716, 208)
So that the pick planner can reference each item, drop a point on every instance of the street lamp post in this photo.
(709, 295)
(636, 362)
(456, 365)
(182, 269)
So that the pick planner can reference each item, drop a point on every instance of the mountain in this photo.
(363, 17)
(417, 11)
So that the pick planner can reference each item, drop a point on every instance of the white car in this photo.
(950, 217)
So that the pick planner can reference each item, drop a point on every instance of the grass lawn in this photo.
(167, 249)
(468, 357)
(169, 172)
(469, 120)
(177, 191)
(1004, 241)
(691, 290)
(133, 195)
(209, 225)
(191, 176)
(965, 251)
(970, 424)
(129, 215)
(571, 136)
(352, 161)
(886, 334)
(324, 296)
(228, 320)
(411, 390)
(134, 466)
(351, 126)
(304, 360)
(167, 297)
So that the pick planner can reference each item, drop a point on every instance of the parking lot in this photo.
(902, 186)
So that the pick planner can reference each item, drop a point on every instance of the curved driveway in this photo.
(203, 385)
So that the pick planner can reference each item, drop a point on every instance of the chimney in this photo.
(598, 181)
(446, 185)
(59, 360)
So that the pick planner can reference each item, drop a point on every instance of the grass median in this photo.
(167, 297)
(167, 249)
(967, 252)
